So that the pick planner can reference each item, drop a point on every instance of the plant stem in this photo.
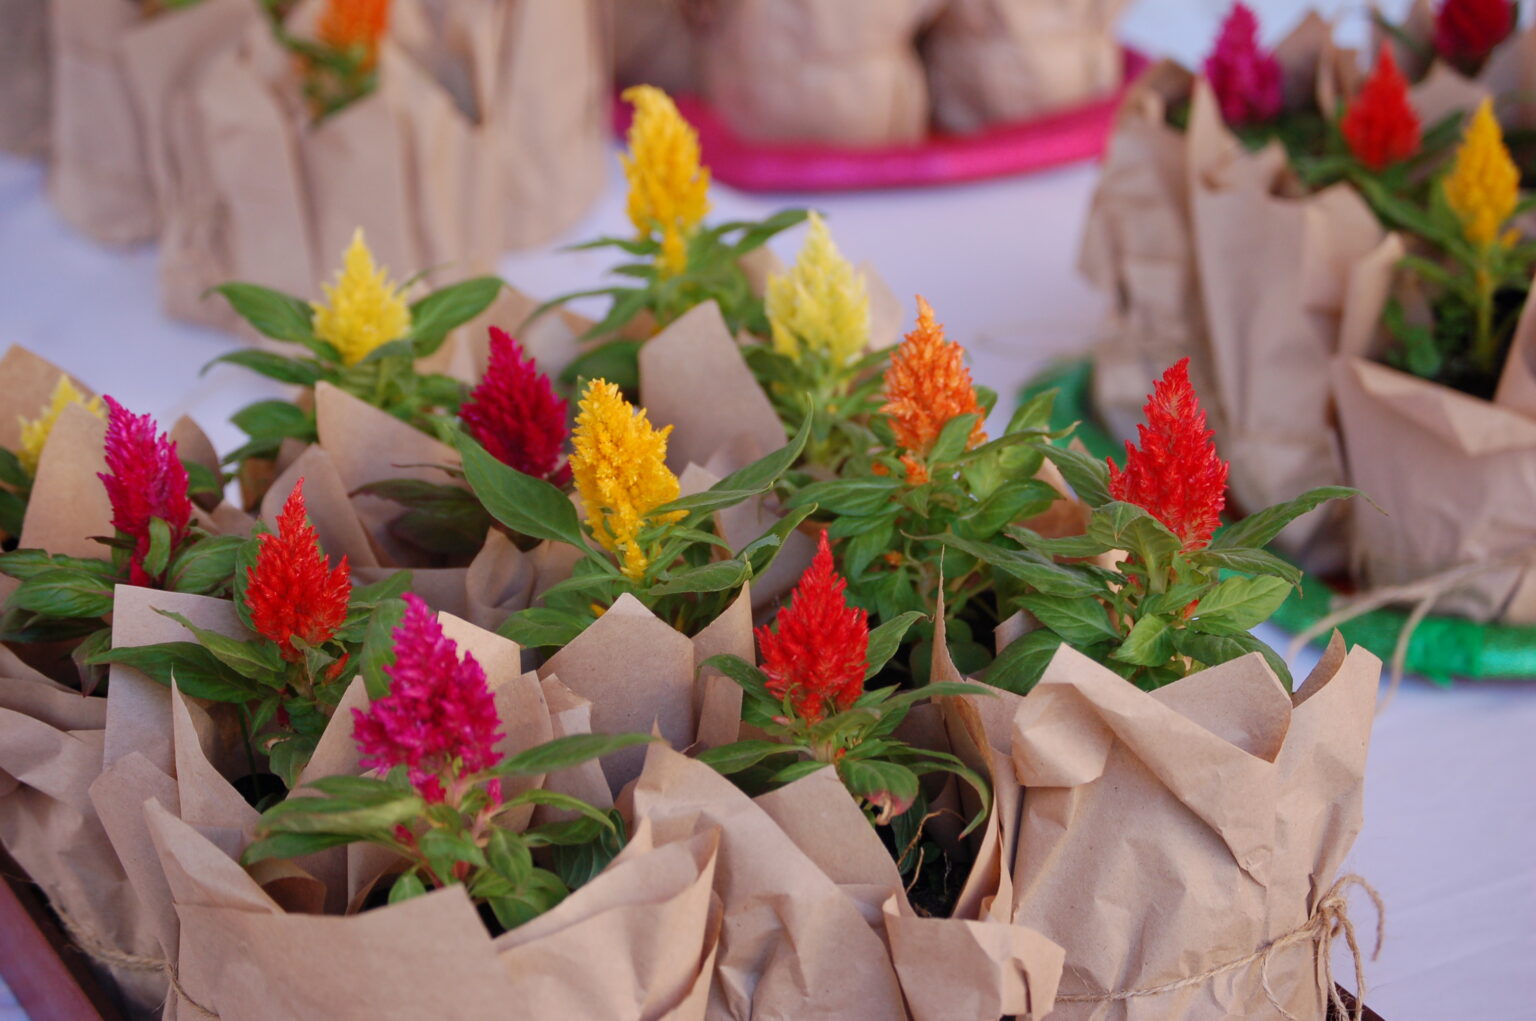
(1484, 350)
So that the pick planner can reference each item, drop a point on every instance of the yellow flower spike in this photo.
(1483, 186)
(366, 311)
(668, 189)
(35, 433)
(821, 304)
(619, 463)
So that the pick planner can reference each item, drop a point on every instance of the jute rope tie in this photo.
(1421, 595)
(1329, 920)
(99, 949)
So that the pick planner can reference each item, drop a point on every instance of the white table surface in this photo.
(1450, 835)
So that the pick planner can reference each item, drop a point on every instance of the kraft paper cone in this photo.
(839, 71)
(793, 943)
(24, 77)
(1244, 799)
(1009, 60)
(69, 504)
(654, 44)
(98, 177)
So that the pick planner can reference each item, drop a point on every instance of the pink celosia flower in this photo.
(144, 480)
(439, 719)
(515, 415)
(1245, 77)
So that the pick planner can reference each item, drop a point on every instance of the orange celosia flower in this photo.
(926, 385)
(354, 23)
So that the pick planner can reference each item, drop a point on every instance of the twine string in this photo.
(99, 949)
(1329, 920)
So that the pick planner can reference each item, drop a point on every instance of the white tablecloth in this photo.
(1450, 835)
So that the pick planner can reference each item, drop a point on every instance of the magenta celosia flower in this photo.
(515, 415)
(1245, 77)
(144, 480)
(439, 719)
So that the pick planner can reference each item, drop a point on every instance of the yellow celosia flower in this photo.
(619, 463)
(366, 309)
(668, 189)
(1483, 186)
(821, 304)
(35, 433)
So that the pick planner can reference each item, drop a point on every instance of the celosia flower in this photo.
(35, 432)
(1245, 77)
(1176, 476)
(145, 480)
(439, 719)
(290, 591)
(515, 415)
(1483, 186)
(668, 189)
(820, 650)
(1380, 125)
(619, 461)
(821, 303)
(926, 385)
(366, 309)
(346, 24)
(1466, 31)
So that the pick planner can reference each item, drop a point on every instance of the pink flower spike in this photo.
(439, 719)
(515, 414)
(144, 480)
(1245, 77)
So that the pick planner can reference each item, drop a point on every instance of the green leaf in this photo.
(751, 679)
(527, 505)
(1021, 663)
(195, 670)
(617, 361)
(564, 802)
(1129, 527)
(292, 845)
(1080, 621)
(379, 646)
(1036, 570)
(761, 552)
(854, 497)
(257, 660)
(338, 815)
(388, 588)
(565, 752)
(64, 592)
(13, 510)
(1257, 530)
(245, 562)
(272, 313)
(1148, 644)
(1247, 561)
(952, 439)
(299, 371)
(274, 419)
(733, 758)
(159, 555)
(1212, 650)
(890, 787)
(433, 317)
(715, 576)
(406, 886)
(1013, 501)
(886, 639)
(543, 627)
(579, 864)
(757, 477)
(23, 564)
(1238, 604)
(11, 471)
(1086, 474)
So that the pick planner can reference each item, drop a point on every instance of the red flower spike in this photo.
(515, 415)
(1380, 125)
(290, 591)
(439, 719)
(1466, 31)
(144, 480)
(1245, 77)
(821, 648)
(1176, 476)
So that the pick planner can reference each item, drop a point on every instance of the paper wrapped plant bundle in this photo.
(24, 80)
(1324, 241)
(871, 73)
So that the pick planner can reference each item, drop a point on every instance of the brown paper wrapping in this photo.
(24, 77)
(1010, 60)
(654, 44)
(843, 71)
(1170, 833)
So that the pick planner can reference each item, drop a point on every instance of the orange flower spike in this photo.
(354, 23)
(926, 385)
(290, 591)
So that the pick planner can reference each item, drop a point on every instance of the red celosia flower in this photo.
(1380, 125)
(1175, 476)
(1245, 77)
(439, 719)
(145, 480)
(290, 591)
(819, 653)
(348, 23)
(515, 414)
(1466, 31)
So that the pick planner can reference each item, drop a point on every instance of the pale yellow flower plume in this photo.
(821, 304)
(619, 463)
(366, 309)
(668, 188)
(35, 432)
(1483, 186)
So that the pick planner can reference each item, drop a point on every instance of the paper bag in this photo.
(24, 77)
